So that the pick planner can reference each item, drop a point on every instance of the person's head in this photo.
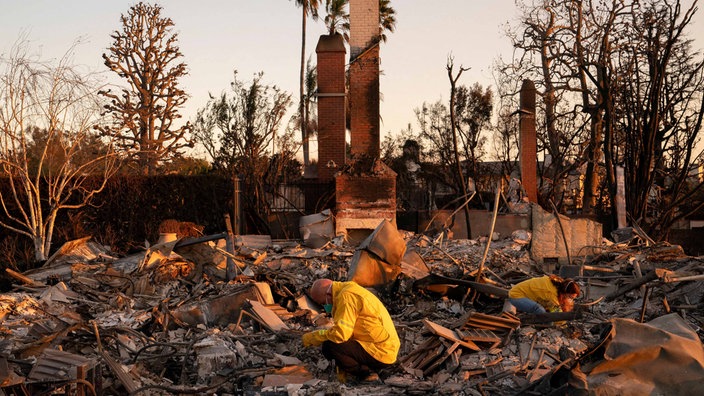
(569, 288)
(321, 291)
(567, 291)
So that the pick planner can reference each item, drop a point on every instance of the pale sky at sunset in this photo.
(218, 36)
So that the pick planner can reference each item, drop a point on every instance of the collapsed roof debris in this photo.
(167, 320)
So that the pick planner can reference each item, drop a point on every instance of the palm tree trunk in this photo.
(304, 134)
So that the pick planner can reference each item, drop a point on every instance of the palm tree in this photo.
(311, 86)
(307, 7)
(387, 19)
(337, 18)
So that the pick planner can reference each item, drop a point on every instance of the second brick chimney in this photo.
(528, 141)
(331, 105)
(364, 77)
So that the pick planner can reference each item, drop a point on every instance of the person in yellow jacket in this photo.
(548, 293)
(363, 339)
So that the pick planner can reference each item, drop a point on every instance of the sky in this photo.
(220, 36)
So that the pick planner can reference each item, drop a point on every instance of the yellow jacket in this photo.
(540, 290)
(359, 315)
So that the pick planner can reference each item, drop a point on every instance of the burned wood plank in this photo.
(448, 334)
(671, 279)
(125, 378)
(646, 295)
(441, 359)
(268, 317)
(479, 335)
(24, 279)
(490, 322)
(423, 354)
(55, 365)
(509, 315)
(454, 362)
(424, 347)
(230, 267)
(430, 357)
(496, 319)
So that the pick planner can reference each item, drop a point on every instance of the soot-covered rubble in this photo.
(166, 321)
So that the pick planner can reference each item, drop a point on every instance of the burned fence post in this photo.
(237, 209)
(231, 268)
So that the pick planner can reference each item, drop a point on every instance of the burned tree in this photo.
(473, 110)
(146, 56)
(454, 126)
(658, 126)
(543, 39)
(50, 156)
(238, 129)
(627, 71)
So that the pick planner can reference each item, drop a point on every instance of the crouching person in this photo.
(363, 339)
(548, 293)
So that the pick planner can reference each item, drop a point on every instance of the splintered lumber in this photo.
(509, 315)
(491, 322)
(434, 351)
(266, 316)
(448, 334)
(230, 267)
(421, 350)
(454, 363)
(670, 279)
(22, 278)
(446, 354)
(422, 356)
(478, 335)
(123, 376)
(280, 311)
(429, 358)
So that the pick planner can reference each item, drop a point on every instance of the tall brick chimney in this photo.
(364, 77)
(331, 105)
(366, 192)
(528, 141)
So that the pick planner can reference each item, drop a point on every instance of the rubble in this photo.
(169, 321)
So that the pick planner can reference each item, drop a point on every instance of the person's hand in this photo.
(309, 340)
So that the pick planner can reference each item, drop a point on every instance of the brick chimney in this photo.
(366, 192)
(364, 77)
(528, 149)
(331, 105)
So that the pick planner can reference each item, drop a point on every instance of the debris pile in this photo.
(169, 321)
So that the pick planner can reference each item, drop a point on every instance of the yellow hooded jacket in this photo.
(359, 315)
(540, 290)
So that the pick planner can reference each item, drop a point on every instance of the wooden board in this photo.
(448, 334)
(267, 316)
(478, 335)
